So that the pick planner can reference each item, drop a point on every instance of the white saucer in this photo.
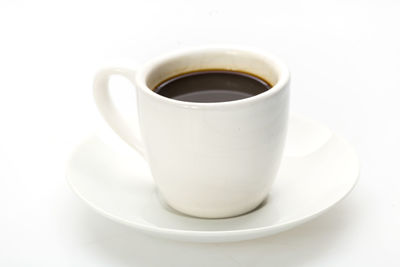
(318, 170)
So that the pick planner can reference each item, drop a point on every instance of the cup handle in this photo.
(110, 113)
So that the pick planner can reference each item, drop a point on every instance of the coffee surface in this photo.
(208, 86)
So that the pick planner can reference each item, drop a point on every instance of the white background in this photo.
(345, 63)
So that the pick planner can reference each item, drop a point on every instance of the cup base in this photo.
(207, 215)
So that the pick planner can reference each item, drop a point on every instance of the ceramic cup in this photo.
(210, 160)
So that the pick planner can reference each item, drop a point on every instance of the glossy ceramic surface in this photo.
(318, 170)
(210, 160)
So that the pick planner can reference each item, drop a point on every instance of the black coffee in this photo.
(212, 86)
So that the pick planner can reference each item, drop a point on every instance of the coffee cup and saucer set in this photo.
(216, 155)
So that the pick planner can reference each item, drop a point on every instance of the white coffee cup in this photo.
(208, 160)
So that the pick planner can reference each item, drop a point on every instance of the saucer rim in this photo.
(176, 233)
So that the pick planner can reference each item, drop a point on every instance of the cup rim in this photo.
(281, 68)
